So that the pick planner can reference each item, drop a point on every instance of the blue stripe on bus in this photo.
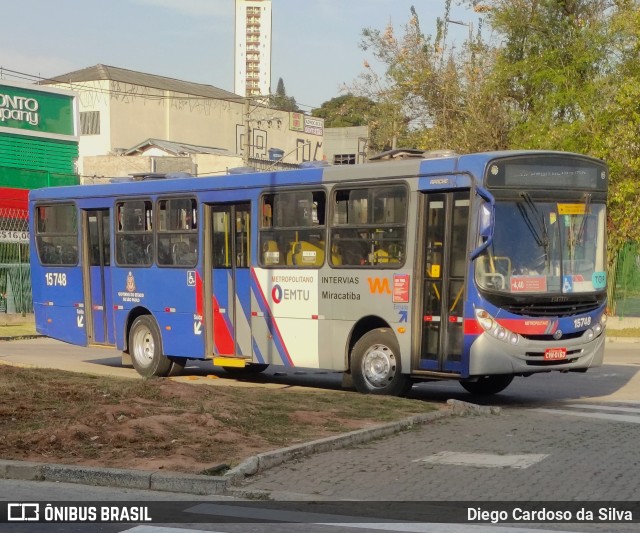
(256, 351)
(271, 322)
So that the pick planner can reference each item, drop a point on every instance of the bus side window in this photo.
(292, 230)
(57, 234)
(369, 226)
(134, 236)
(177, 232)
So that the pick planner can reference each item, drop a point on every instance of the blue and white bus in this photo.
(475, 268)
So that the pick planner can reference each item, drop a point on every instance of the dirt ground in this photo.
(67, 418)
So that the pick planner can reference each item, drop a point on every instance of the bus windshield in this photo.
(545, 247)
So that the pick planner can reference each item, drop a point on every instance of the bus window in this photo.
(292, 231)
(369, 226)
(57, 234)
(177, 232)
(134, 237)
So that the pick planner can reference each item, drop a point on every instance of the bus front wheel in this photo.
(375, 364)
(145, 347)
(488, 385)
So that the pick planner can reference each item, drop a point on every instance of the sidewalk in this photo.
(211, 484)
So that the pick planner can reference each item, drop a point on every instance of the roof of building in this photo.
(176, 148)
(106, 72)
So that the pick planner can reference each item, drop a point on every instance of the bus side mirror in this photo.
(485, 221)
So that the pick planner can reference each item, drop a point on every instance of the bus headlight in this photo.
(489, 324)
(484, 319)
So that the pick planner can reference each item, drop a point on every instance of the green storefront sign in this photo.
(34, 110)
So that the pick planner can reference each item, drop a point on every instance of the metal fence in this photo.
(625, 282)
(15, 273)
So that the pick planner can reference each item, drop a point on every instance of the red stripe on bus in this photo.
(221, 335)
(471, 327)
(199, 302)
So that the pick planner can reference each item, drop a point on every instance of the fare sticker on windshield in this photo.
(572, 209)
(528, 284)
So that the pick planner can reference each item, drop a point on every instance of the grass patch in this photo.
(627, 332)
(17, 330)
(64, 417)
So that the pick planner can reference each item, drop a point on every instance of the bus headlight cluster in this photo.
(598, 328)
(489, 324)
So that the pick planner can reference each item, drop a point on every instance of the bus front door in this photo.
(98, 304)
(444, 271)
(228, 306)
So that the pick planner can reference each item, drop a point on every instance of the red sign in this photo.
(401, 288)
(555, 354)
(528, 284)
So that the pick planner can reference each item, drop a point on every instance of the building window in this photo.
(344, 159)
(90, 123)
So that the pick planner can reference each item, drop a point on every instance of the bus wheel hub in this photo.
(379, 365)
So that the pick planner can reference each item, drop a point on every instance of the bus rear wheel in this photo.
(145, 347)
(488, 385)
(375, 364)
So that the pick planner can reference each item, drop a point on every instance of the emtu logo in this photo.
(379, 286)
(276, 294)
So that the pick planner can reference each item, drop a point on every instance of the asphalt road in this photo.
(559, 438)
(617, 379)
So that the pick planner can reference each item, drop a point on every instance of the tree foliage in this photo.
(279, 100)
(555, 74)
(346, 110)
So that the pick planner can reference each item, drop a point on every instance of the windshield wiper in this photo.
(587, 205)
(541, 232)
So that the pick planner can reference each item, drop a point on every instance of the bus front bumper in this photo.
(491, 356)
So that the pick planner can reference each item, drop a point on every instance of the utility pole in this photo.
(247, 132)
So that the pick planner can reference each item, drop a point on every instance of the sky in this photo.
(315, 43)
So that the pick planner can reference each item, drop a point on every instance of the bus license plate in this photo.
(555, 354)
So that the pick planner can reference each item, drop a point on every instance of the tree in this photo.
(346, 110)
(281, 101)
(570, 79)
(431, 97)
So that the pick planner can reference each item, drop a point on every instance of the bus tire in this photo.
(488, 385)
(375, 364)
(251, 368)
(177, 366)
(145, 347)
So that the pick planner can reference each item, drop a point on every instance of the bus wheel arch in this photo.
(376, 366)
(362, 327)
(145, 348)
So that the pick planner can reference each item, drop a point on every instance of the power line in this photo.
(83, 88)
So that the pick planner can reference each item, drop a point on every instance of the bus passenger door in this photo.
(444, 270)
(98, 301)
(228, 289)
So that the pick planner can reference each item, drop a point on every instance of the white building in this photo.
(347, 145)
(120, 109)
(252, 76)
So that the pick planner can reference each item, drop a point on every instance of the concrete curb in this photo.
(209, 485)
(21, 337)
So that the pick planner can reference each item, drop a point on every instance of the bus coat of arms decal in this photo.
(131, 283)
